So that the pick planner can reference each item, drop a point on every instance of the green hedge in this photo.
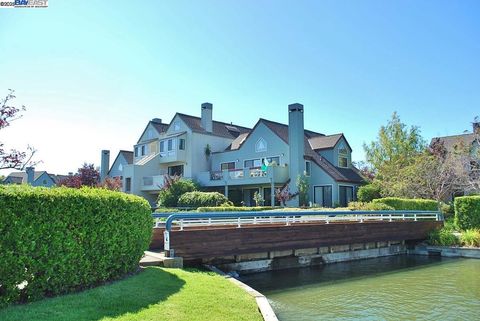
(467, 212)
(362, 206)
(200, 199)
(368, 193)
(234, 209)
(60, 240)
(408, 204)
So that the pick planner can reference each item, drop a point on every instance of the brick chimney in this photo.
(207, 121)
(296, 147)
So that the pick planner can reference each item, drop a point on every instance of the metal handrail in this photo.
(359, 216)
(215, 215)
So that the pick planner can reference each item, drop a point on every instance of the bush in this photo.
(447, 210)
(471, 238)
(467, 212)
(362, 206)
(416, 204)
(198, 199)
(234, 209)
(443, 237)
(368, 193)
(61, 240)
(168, 197)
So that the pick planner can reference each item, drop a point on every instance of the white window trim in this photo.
(234, 162)
(257, 150)
(338, 160)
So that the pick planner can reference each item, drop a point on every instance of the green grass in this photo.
(154, 294)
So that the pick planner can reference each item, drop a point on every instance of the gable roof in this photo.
(128, 155)
(21, 177)
(451, 143)
(219, 128)
(326, 142)
(159, 127)
(351, 175)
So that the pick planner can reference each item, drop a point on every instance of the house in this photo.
(469, 142)
(34, 178)
(123, 159)
(239, 161)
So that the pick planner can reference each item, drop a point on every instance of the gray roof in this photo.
(219, 128)
(455, 142)
(128, 155)
(325, 142)
(339, 174)
(21, 177)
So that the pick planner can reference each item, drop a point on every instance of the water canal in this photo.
(389, 288)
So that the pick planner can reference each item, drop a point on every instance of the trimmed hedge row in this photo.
(199, 199)
(60, 240)
(234, 209)
(408, 204)
(362, 206)
(467, 212)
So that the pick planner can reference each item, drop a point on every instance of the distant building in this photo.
(34, 178)
(238, 161)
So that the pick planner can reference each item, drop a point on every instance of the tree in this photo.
(13, 159)
(303, 187)
(396, 147)
(87, 175)
(112, 183)
(283, 194)
(173, 188)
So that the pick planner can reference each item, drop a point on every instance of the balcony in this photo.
(245, 176)
(152, 183)
(172, 156)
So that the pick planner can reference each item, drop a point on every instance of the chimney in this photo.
(157, 120)
(104, 164)
(30, 175)
(476, 128)
(296, 147)
(207, 122)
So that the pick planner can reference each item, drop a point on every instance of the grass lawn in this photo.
(154, 294)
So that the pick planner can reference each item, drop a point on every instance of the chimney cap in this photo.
(157, 120)
(295, 107)
(207, 106)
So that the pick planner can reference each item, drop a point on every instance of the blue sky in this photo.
(92, 75)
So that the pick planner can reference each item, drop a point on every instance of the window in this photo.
(176, 126)
(120, 167)
(143, 150)
(128, 184)
(342, 155)
(153, 147)
(273, 160)
(175, 170)
(227, 166)
(345, 195)
(171, 145)
(261, 145)
(181, 144)
(136, 151)
(322, 195)
(44, 182)
(162, 146)
(252, 163)
(308, 168)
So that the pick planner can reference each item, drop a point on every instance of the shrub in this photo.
(416, 204)
(198, 199)
(362, 206)
(368, 193)
(447, 210)
(443, 237)
(60, 240)
(234, 209)
(471, 237)
(467, 212)
(168, 197)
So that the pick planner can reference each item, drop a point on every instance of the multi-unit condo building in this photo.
(238, 161)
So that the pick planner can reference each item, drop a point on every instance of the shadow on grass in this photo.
(128, 296)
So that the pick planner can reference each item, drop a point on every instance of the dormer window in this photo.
(261, 145)
(342, 155)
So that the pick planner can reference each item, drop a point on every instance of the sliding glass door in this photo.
(323, 195)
